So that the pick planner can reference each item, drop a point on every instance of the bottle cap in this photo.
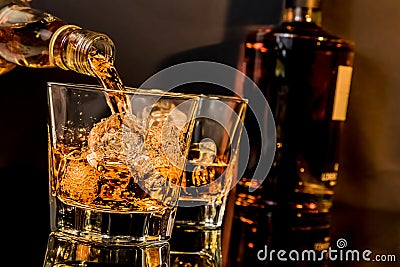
(303, 3)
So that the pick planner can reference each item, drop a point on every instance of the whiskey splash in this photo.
(108, 76)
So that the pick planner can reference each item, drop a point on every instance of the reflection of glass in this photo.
(211, 162)
(114, 177)
(196, 247)
(65, 251)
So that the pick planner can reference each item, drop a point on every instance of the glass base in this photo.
(206, 216)
(69, 251)
(130, 228)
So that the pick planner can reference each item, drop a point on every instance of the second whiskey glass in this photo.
(211, 172)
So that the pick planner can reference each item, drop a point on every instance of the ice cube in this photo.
(161, 159)
(178, 118)
(110, 142)
(79, 181)
(120, 148)
(163, 111)
(207, 151)
(154, 181)
(164, 145)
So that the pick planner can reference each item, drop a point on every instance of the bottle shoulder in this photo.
(302, 31)
(18, 16)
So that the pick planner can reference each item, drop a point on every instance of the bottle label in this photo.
(342, 92)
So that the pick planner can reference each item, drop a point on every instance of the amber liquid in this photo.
(296, 67)
(109, 78)
(97, 174)
(25, 43)
(200, 173)
(204, 188)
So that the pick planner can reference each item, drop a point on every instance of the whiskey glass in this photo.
(115, 177)
(211, 167)
(211, 172)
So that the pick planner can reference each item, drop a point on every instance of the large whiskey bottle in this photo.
(305, 74)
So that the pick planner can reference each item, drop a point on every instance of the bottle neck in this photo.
(304, 14)
(73, 48)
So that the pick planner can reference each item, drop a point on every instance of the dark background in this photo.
(151, 35)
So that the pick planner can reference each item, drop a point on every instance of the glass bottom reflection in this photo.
(69, 251)
(198, 247)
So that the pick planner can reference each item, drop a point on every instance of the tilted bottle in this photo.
(34, 38)
(305, 74)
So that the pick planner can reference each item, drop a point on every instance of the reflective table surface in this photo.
(353, 237)
(357, 229)
(346, 236)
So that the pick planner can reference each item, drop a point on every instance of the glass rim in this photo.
(150, 91)
(130, 90)
(224, 97)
